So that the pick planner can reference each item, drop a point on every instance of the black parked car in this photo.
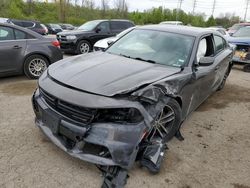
(32, 25)
(114, 107)
(67, 26)
(24, 51)
(54, 28)
(82, 39)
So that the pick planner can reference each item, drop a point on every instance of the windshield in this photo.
(236, 26)
(242, 32)
(154, 47)
(56, 26)
(89, 26)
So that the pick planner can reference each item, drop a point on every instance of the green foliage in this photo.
(77, 15)
(15, 9)
(211, 21)
(227, 20)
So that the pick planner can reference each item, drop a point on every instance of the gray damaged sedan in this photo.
(116, 107)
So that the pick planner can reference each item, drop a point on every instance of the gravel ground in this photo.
(215, 152)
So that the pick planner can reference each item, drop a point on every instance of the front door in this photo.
(11, 50)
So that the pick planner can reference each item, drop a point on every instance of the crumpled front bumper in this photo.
(89, 143)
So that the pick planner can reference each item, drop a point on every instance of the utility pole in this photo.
(245, 16)
(181, 1)
(213, 7)
(194, 5)
(179, 5)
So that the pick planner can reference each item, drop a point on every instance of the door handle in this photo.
(16, 47)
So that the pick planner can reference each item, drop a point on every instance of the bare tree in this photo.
(104, 7)
(89, 4)
(29, 2)
(121, 6)
(62, 8)
(83, 3)
(76, 2)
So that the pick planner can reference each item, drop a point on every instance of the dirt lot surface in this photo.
(215, 153)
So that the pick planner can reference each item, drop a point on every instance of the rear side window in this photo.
(6, 33)
(116, 25)
(28, 24)
(219, 43)
(19, 23)
(22, 35)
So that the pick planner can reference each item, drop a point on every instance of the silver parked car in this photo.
(25, 51)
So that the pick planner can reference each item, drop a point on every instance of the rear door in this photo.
(222, 59)
(118, 26)
(12, 49)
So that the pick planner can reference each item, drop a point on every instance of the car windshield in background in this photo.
(56, 26)
(236, 26)
(89, 26)
(242, 32)
(154, 47)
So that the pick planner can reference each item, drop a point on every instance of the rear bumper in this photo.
(68, 46)
(56, 54)
(89, 143)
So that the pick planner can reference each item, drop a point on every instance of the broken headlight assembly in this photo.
(120, 115)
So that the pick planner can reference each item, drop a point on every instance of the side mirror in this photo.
(206, 61)
(110, 42)
(98, 29)
(232, 47)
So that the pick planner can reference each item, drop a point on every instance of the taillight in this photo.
(56, 43)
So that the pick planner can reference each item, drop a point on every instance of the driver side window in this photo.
(205, 48)
(104, 27)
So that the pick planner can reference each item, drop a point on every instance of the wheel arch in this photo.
(86, 39)
(179, 100)
(35, 53)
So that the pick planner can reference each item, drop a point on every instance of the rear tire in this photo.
(35, 65)
(246, 68)
(223, 83)
(83, 47)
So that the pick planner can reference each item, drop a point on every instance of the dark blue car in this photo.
(241, 39)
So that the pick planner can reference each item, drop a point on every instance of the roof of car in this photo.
(121, 20)
(186, 30)
(22, 29)
(244, 23)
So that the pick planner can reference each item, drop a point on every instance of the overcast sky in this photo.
(202, 6)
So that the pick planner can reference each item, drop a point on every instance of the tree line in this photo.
(79, 11)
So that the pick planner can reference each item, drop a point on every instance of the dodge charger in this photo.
(123, 105)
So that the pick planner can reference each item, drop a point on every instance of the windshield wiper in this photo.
(127, 56)
(138, 58)
(149, 61)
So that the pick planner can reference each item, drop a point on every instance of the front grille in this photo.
(73, 112)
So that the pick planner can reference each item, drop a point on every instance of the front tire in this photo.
(246, 68)
(168, 121)
(35, 65)
(83, 47)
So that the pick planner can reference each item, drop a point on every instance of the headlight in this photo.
(71, 37)
(125, 115)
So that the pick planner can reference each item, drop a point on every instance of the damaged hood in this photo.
(106, 74)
